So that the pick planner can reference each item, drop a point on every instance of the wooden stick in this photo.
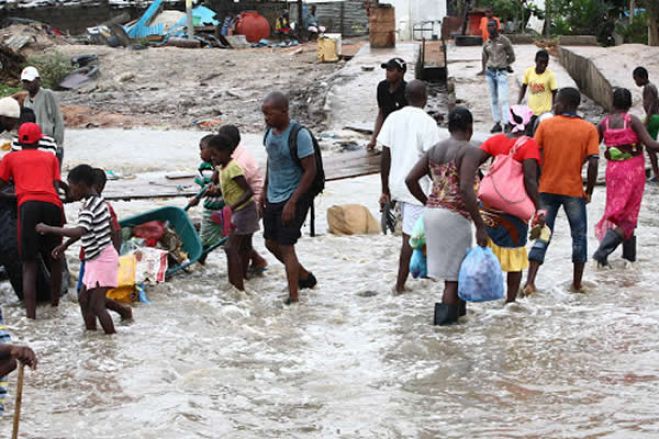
(19, 400)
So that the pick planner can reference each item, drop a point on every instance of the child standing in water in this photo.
(101, 258)
(238, 197)
(207, 178)
(100, 180)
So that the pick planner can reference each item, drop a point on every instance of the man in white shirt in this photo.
(405, 136)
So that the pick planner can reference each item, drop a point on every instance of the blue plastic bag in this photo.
(418, 236)
(480, 277)
(418, 264)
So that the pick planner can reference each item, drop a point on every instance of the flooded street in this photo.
(351, 360)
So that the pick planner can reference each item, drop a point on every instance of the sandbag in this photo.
(480, 278)
(351, 219)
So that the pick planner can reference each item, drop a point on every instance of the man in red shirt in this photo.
(36, 178)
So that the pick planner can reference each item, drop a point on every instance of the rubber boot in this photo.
(629, 249)
(462, 310)
(610, 242)
(446, 314)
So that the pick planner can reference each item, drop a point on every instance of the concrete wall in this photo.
(411, 12)
(589, 79)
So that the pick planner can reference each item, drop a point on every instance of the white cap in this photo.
(9, 107)
(29, 74)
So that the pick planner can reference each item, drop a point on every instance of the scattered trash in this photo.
(183, 42)
(237, 41)
(125, 77)
(208, 123)
(79, 77)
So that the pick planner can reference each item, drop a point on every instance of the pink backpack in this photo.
(503, 186)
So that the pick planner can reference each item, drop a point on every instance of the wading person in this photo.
(508, 233)
(450, 208)
(624, 136)
(405, 136)
(211, 232)
(238, 197)
(567, 142)
(94, 228)
(498, 56)
(390, 94)
(286, 196)
(651, 107)
(44, 104)
(542, 86)
(254, 178)
(36, 179)
(10, 356)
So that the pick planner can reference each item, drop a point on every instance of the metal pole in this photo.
(300, 25)
(188, 11)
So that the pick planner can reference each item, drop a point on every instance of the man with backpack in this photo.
(406, 136)
(294, 177)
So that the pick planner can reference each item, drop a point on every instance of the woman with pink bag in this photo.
(509, 195)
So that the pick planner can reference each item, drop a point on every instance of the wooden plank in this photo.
(143, 187)
(434, 54)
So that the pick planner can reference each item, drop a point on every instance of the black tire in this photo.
(468, 40)
(10, 259)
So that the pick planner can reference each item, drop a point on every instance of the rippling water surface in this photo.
(351, 360)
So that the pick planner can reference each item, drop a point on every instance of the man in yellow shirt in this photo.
(542, 85)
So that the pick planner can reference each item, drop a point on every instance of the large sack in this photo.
(351, 219)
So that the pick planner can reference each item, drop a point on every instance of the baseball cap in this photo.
(9, 107)
(29, 74)
(397, 63)
(29, 133)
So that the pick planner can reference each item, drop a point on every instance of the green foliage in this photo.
(506, 10)
(53, 67)
(8, 90)
(636, 31)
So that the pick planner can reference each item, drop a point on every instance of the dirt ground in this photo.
(172, 87)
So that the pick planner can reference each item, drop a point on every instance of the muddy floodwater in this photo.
(352, 360)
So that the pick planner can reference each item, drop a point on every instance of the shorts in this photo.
(211, 231)
(285, 234)
(653, 126)
(246, 220)
(33, 244)
(103, 270)
(411, 214)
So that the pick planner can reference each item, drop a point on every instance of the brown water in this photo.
(351, 360)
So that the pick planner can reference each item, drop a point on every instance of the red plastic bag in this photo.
(151, 232)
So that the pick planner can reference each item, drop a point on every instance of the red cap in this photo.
(29, 133)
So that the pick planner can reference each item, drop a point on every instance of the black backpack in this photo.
(318, 184)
